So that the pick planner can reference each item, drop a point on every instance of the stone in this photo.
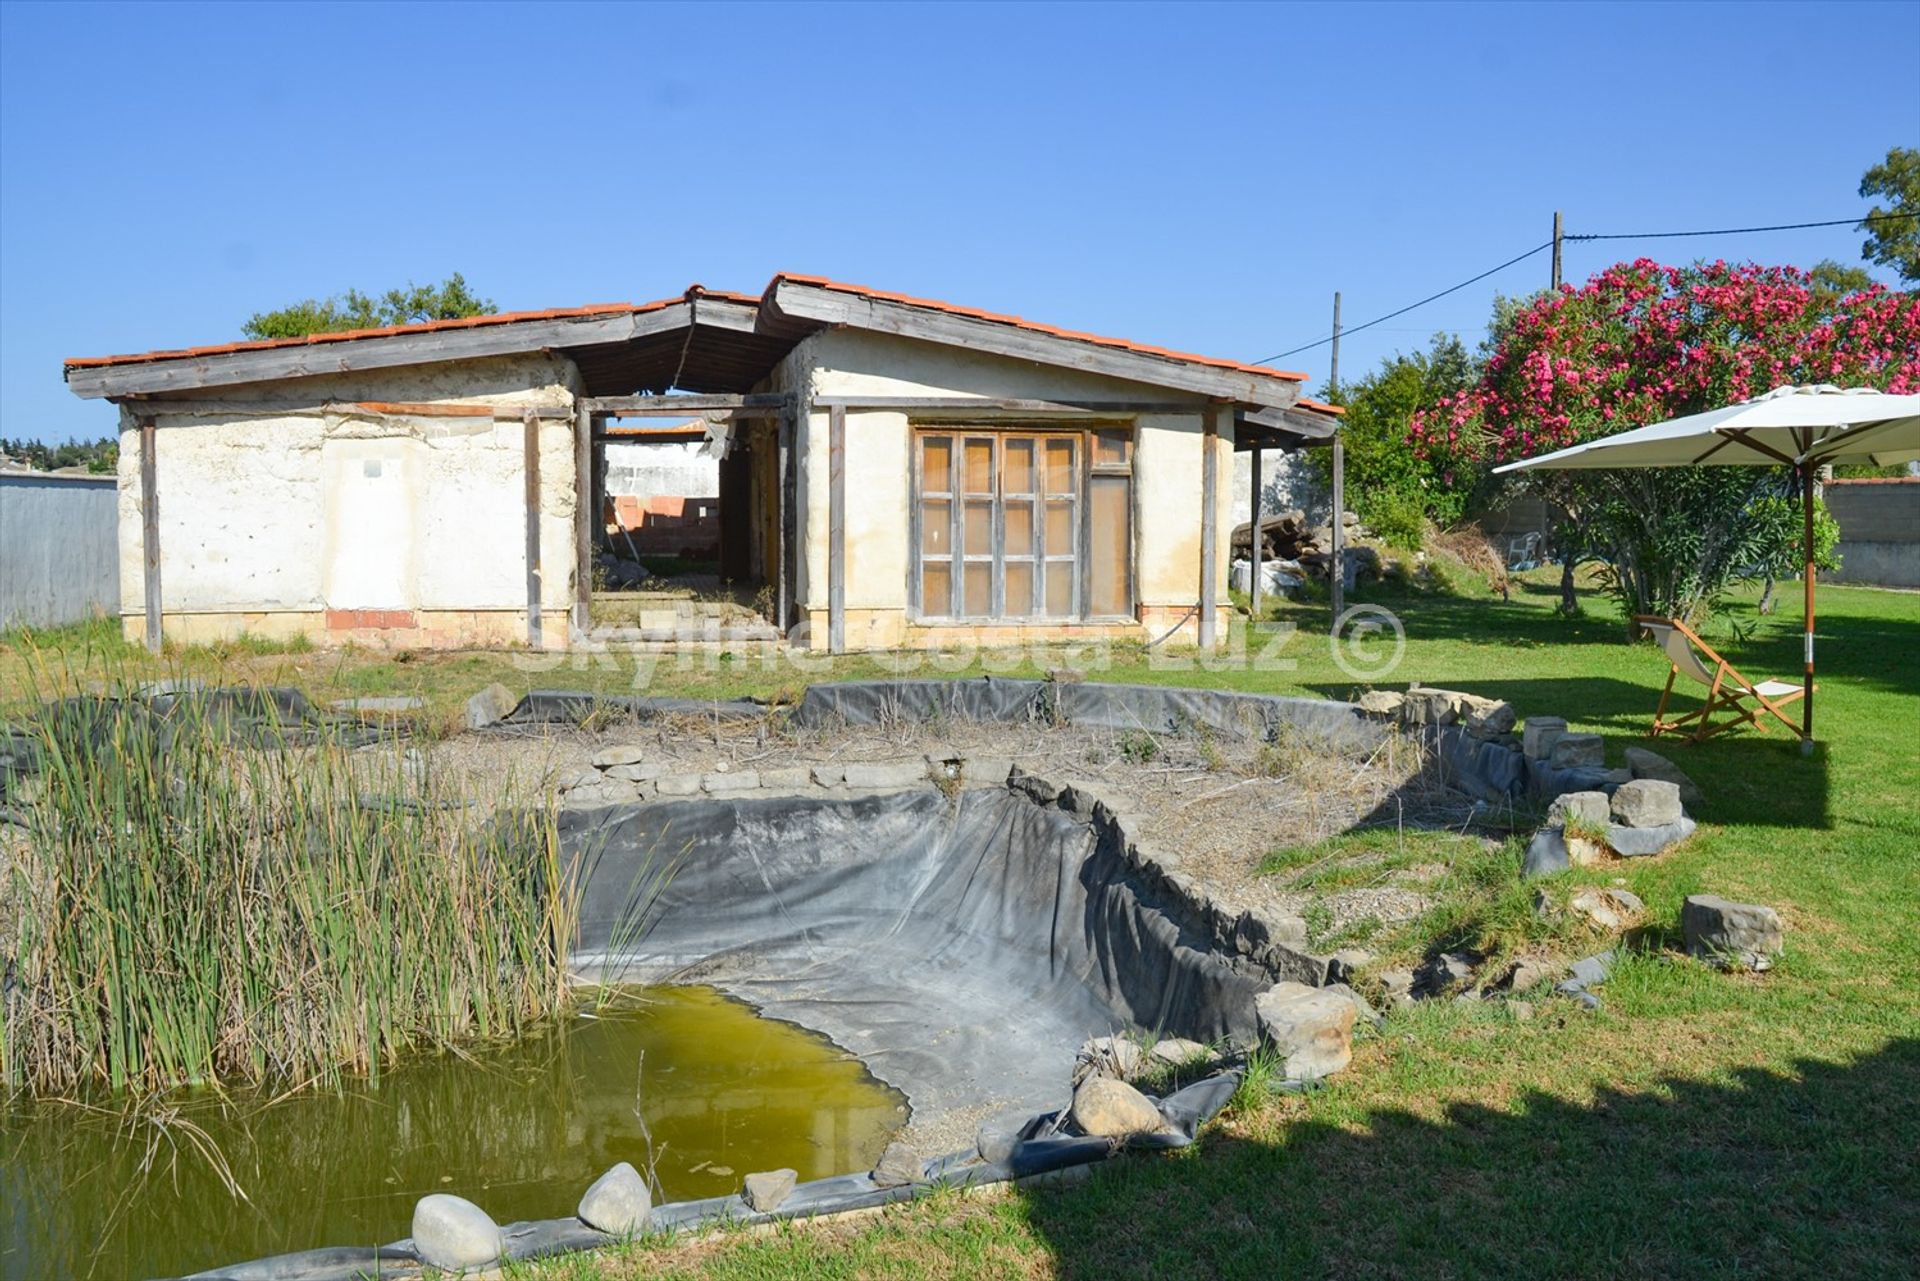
(996, 1139)
(618, 1203)
(986, 771)
(1380, 702)
(378, 706)
(1347, 962)
(1540, 734)
(1546, 853)
(1113, 1109)
(787, 778)
(1311, 1027)
(1584, 851)
(719, 784)
(899, 1166)
(885, 773)
(1608, 909)
(490, 706)
(637, 772)
(1579, 751)
(828, 775)
(1113, 1056)
(1445, 972)
(765, 1191)
(605, 792)
(1646, 802)
(608, 757)
(1645, 764)
(1429, 707)
(1520, 1010)
(1588, 809)
(1530, 973)
(454, 1235)
(1730, 934)
(1256, 930)
(678, 784)
(1615, 777)
(1362, 1008)
(1639, 842)
(1179, 1052)
(1588, 972)
(1487, 717)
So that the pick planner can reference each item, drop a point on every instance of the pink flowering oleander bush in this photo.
(1639, 343)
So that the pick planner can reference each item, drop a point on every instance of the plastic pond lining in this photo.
(962, 941)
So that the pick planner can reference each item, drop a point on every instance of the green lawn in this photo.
(1699, 1124)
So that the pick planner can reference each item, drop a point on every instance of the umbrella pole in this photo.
(1806, 512)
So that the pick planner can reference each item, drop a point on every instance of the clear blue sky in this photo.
(1201, 177)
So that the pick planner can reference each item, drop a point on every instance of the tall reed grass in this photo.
(202, 892)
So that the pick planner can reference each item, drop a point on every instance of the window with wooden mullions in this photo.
(1023, 525)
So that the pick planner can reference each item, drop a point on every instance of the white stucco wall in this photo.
(1167, 466)
(675, 469)
(296, 513)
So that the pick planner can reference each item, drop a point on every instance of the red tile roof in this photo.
(1319, 406)
(617, 308)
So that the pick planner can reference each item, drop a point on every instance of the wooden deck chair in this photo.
(1727, 689)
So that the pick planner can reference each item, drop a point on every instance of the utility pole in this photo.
(1556, 248)
(1337, 572)
(1333, 374)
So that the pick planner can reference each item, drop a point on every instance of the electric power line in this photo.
(1868, 220)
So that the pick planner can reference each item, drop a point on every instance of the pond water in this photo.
(682, 1078)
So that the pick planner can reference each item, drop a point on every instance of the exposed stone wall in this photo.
(1879, 530)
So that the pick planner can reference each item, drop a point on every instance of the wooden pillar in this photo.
(1806, 512)
(1254, 558)
(837, 530)
(150, 533)
(1209, 523)
(531, 428)
(783, 512)
(1338, 578)
(582, 518)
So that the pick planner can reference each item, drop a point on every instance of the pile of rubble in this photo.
(1294, 549)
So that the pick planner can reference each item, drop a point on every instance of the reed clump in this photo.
(202, 891)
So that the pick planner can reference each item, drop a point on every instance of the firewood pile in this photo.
(1289, 536)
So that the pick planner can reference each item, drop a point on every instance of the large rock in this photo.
(490, 706)
(1646, 802)
(1487, 717)
(1380, 702)
(900, 1166)
(1731, 934)
(1546, 853)
(1579, 751)
(1311, 1027)
(1113, 1109)
(766, 1190)
(1179, 1052)
(1113, 1056)
(1540, 734)
(1584, 809)
(1642, 763)
(1444, 973)
(1639, 842)
(1608, 909)
(885, 773)
(625, 754)
(618, 1203)
(455, 1235)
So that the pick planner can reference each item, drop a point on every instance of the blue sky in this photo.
(1196, 176)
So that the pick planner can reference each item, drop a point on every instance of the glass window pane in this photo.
(1019, 528)
(1110, 445)
(979, 602)
(936, 527)
(978, 531)
(936, 463)
(1060, 588)
(1112, 540)
(936, 589)
(979, 466)
(1060, 539)
(1017, 470)
(1019, 588)
(1062, 475)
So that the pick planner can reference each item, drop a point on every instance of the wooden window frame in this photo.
(1043, 557)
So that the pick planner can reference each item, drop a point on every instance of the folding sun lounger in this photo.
(1727, 689)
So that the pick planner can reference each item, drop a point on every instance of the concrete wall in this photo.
(1879, 530)
(1166, 483)
(58, 549)
(660, 471)
(383, 530)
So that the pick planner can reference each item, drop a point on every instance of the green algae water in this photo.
(681, 1080)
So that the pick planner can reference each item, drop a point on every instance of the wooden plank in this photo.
(226, 369)
(807, 302)
(837, 531)
(768, 404)
(1304, 425)
(150, 532)
(1338, 577)
(1255, 557)
(532, 443)
(1209, 524)
(198, 408)
(1005, 404)
(582, 518)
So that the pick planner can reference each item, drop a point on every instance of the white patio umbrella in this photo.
(1804, 428)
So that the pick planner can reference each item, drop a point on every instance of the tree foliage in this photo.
(1894, 241)
(1640, 343)
(415, 304)
(100, 457)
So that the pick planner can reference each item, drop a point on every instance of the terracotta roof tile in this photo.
(1319, 406)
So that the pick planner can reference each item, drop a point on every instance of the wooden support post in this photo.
(1338, 577)
(783, 515)
(531, 426)
(150, 533)
(1209, 523)
(837, 530)
(1806, 511)
(1254, 558)
(582, 517)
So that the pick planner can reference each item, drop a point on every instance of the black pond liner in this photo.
(963, 946)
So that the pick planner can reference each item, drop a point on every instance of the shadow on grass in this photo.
(1811, 1174)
